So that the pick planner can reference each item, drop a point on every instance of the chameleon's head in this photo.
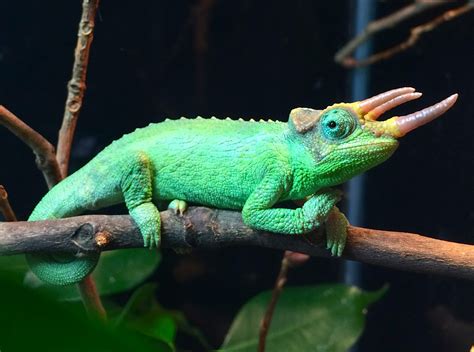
(346, 139)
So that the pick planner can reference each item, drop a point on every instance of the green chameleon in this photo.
(233, 164)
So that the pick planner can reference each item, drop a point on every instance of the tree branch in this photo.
(77, 84)
(343, 55)
(43, 150)
(207, 228)
(76, 88)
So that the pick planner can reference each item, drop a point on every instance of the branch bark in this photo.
(208, 228)
(77, 84)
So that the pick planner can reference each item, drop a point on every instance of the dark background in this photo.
(260, 59)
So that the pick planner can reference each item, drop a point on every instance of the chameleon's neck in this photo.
(311, 174)
(303, 166)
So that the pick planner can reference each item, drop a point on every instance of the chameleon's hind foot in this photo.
(336, 232)
(148, 220)
(178, 206)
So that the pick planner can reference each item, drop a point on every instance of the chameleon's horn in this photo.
(375, 113)
(398, 126)
(371, 103)
(409, 122)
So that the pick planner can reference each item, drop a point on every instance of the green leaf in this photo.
(14, 265)
(326, 318)
(31, 322)
(117, 271)
(145, 315)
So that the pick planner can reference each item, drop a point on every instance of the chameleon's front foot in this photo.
(147, 218)
(336, 232)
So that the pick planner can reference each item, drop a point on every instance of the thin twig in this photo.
(91, 298)
(5, 207)
(43, 150)
(290, 260)
(77, 84)
(415, 35)
(267, 318)
(343, 55)
(208, 228)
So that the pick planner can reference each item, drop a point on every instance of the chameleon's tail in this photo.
(61, 268)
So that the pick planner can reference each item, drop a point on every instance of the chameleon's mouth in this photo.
(371, 109)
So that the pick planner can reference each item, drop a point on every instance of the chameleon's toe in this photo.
(178, 206)
(336, 232)
(148, 220)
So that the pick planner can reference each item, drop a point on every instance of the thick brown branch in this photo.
(43, 150)
(207, 228)
(77, 84)
(343, 55)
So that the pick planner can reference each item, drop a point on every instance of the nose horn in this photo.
(412, 121)
(398, 126)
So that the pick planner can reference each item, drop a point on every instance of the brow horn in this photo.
(371, 103)
(375, 113)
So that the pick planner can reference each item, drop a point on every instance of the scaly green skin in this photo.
(229, 164)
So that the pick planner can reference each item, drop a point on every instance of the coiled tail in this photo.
(63, 200)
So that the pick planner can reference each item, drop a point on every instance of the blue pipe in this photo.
(363, 13)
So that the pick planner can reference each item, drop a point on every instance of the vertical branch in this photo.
(76, 89)
(267, 319)
(91, 298)
(290, 260)
(77, 84)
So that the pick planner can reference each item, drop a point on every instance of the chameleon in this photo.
(251, 166)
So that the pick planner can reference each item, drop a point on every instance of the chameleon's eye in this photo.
(337, 124)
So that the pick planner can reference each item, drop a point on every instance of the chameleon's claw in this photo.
(328, 242)
(178, 206)
(147, 218)
(336, 232)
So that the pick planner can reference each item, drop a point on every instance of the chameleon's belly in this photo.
(223, 175)
(216, 188)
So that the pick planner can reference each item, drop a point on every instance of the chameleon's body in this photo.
(248, 165)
